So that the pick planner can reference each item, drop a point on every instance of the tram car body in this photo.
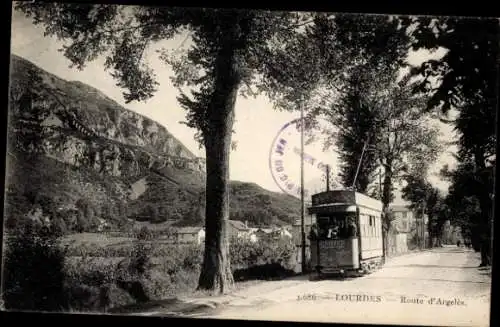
(347, 235)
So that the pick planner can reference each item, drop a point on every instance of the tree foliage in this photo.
(369, 102)
(465, 79)
(425, 198)
(28, 284)
(355, 119)
(466, 74)
(464, 199)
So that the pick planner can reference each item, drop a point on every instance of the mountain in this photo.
(80, 158)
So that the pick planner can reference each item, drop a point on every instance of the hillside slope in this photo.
(72, 148)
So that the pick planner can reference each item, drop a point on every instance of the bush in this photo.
(145, 234)
(101, 278)
(247, 254)
(34, 271)
(95, 250)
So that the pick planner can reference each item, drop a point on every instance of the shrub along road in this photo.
(442, 286)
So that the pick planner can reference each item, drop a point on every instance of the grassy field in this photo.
(100, 239)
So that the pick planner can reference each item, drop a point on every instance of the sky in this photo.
(257, 122)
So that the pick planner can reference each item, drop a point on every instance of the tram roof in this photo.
(344, 198)
(329, 208)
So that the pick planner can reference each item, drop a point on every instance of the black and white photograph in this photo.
(297, 166)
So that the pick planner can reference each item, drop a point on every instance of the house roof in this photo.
(239, 225)
(188, 230)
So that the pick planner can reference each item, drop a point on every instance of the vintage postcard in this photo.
(250, 164)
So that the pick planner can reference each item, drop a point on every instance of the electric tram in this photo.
(346, 237)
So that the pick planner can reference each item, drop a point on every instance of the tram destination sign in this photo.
(347, 197)
(332, 244)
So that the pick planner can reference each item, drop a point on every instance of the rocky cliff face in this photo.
(68, 143)
(81, 126)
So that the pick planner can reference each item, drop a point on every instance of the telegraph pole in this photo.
(380, 182)
(424, 227)
(302, 197)
(327, 178)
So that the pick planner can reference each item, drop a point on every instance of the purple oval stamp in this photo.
(285, 153)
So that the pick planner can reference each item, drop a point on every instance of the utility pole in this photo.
(384, 213)
(380, 182)
(422, 224)
(302, 198)
(492, 215)
(327, 178)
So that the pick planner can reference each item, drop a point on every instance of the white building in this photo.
(186, 235)
(408, 226)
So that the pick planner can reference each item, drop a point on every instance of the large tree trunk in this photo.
(216, 272)
(485, 206)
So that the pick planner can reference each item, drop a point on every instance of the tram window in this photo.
(335, 225)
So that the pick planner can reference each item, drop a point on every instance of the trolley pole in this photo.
(302, 197)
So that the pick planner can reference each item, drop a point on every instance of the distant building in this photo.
(408, 228)
(282, 233)
(237, 229)
(252, 234)
(404, 218)
(273, 234)
(200, 164)
(102, 225)
(263, 234)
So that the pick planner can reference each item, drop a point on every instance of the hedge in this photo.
(96, 278)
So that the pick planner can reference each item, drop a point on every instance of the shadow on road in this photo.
(431, 266)
(430, 279)
(313, 277)
(451, 250)
(267, 272)
(173, 306)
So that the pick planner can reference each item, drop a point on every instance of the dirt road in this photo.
(437, 287)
